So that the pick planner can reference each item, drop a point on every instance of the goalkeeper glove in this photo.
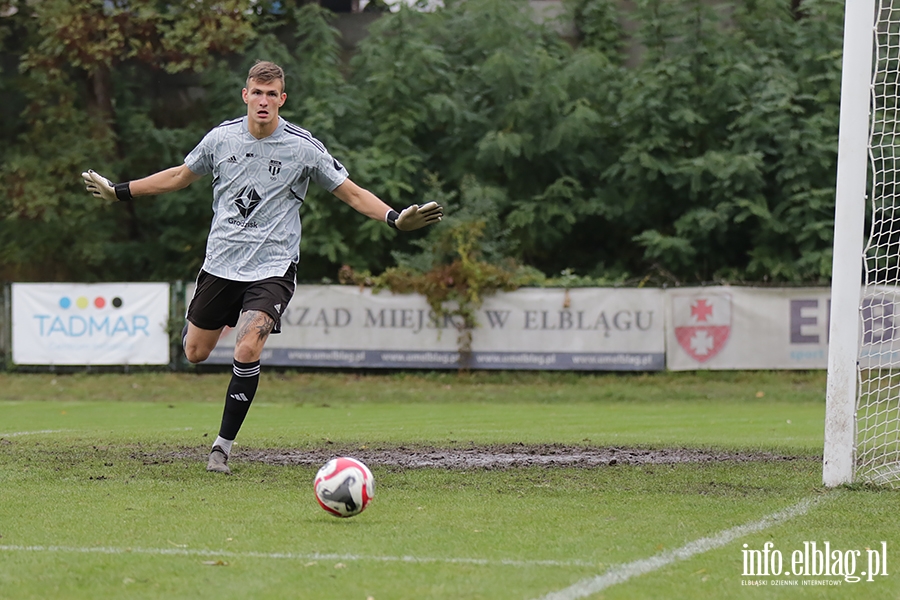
(101, 187)
(415, 216)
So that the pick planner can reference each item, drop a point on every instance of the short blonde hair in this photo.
(265, 72)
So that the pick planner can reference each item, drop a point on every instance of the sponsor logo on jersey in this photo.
(245, 224)
(247, 200)
(231, 159)
(337, 166)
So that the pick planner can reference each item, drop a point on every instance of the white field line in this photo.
(313, 556)
(42, 431)
(18, 433)
(622, 573)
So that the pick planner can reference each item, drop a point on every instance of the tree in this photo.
(73, 50)
(729, 140)
(712, 158)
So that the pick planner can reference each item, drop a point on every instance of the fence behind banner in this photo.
(328, 326)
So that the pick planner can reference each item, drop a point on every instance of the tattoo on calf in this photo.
(256, 320)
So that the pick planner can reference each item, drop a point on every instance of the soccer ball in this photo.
(344, 486)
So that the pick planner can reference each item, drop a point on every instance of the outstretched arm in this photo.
(362, 200)
(170, 180)
(367, 203)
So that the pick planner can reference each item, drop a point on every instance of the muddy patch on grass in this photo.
(506, 456)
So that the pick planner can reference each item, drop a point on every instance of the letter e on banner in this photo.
(702, 323)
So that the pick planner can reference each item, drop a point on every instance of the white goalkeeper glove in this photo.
(415, 216)
(101, 187)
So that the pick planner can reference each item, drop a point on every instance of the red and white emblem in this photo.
(702, 323)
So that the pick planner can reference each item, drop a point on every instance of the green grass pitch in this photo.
(103, 492)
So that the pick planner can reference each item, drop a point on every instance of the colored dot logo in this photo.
(83, 302)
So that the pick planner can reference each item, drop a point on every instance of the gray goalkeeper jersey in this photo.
(258, 187)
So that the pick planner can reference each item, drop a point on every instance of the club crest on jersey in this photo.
(247, 200)
(274, 167)
(702, 323)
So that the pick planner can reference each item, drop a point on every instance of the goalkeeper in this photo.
(261, 167)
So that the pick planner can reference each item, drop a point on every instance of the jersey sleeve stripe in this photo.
(294, 130)
(226, 123)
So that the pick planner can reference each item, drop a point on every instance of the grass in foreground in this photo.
(128, 520)
(775, 411)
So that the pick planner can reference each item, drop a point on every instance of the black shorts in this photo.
(218, 302)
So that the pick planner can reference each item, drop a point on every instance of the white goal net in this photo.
(862, 416)
(877, 453)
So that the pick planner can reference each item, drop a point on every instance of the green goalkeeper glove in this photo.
(101, 187)
(415, 216)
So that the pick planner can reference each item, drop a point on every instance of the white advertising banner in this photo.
(90, 324)
(590, 329)
(747, 328)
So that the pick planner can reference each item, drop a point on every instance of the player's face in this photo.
(263, 101)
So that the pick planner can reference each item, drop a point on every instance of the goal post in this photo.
(862, 420)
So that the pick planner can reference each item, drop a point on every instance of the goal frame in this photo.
(838, 464)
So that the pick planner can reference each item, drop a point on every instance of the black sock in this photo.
(244, 381)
